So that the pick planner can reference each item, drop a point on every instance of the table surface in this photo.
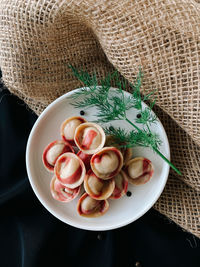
(31, 236)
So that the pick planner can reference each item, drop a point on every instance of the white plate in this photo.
(122, 211)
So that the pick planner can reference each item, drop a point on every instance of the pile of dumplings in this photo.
(85, 158)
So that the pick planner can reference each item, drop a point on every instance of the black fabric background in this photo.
(31, 237)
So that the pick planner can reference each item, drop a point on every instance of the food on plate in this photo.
(62, 193)
(53, 151)
(107, 162)
(121, 185)
(101, 168)
(70, 170)
(89, 207)
(89, 137)
(68, 128)
(98, 188)
(139, 170)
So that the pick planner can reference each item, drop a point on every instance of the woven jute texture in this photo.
(39, 38)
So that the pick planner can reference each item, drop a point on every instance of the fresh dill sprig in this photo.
(113, 105)
(136, 95)
(84, 77)
(133, 138)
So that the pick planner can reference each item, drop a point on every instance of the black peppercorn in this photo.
(128, 193)
(82, 112)
(139, 116)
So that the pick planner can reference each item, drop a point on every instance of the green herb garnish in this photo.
(114, 106)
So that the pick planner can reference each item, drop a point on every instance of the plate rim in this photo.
(58, 216)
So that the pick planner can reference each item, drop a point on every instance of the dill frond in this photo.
(112, 106)
(133, 138)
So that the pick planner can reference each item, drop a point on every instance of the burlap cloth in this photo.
(39, 38)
